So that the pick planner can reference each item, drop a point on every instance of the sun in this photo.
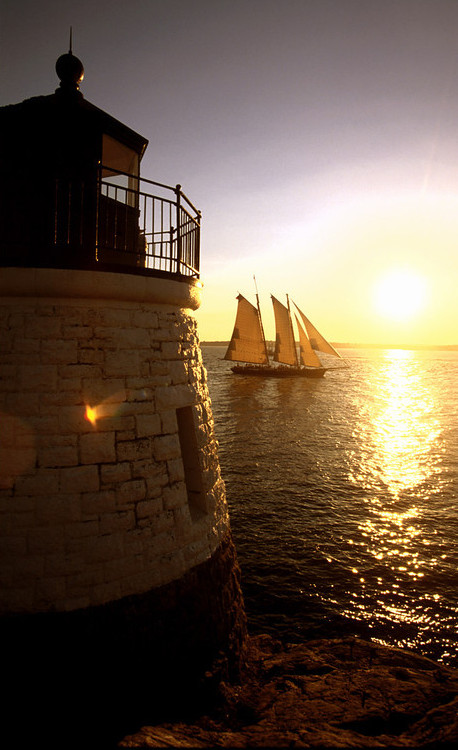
(400, 294)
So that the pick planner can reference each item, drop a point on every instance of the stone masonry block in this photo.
(58, 509)
(121, 521)
(37, 378)
(66, 397)
(162, 333)
(45, 425)
(27, 568)
(158, 368)
(43, 327)
(26, 345)
(164, 543)
(49, 590)
(95, 503)
(155, 484)
(42, 482)
(130, 493)
(130, 408)
(134, 450)
(145, 319)
(62, 352)
(123, 338)
(106, 592)
(72, 420)
(68, 385)
(152, 508)
(169, 421)
(71, 315)
(103, 548)
(166, 447)
(69, 563)
(116, 570)
(79, 371)
(175, 496)
(174, 397)
(88, 527)
(140, 394)
(175, 470)
(45, 540)
(89, 356)
(106, 390)
(148, 424)
(57, 455)
(79, 332)
(124, 363)
(179, 372)
(171, 350)
(125, 435)
(22, 403)
(115, 473)
(116, 317)
(119, 424)
(97, 447)
(151, 470)
(79, 479)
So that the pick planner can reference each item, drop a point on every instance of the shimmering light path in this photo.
(343, 497)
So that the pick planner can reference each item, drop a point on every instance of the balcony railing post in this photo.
(178, 209)
(197, 247)
(172, 232)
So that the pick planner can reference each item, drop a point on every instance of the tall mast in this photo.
(292, 332)
(260, 320)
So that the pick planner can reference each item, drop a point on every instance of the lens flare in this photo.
(91, 415)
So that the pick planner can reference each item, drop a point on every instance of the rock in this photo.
(327, 693)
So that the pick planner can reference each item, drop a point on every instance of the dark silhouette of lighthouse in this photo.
(120, 581)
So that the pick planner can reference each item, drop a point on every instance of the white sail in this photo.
(317, 341)
(307, 356)
(285, 346)
(247, 342)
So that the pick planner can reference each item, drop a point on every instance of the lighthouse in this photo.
(120, 584)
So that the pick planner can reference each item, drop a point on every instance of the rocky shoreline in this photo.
(322, 694)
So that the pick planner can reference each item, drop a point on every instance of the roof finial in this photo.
(69, 69)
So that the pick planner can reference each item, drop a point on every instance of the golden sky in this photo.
(319, 139)
(378, 270)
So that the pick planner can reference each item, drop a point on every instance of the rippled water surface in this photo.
(343, 495)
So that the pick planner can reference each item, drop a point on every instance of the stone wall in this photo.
(120, 588)
(94, 512)
(83, 679)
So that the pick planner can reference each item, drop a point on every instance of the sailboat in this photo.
(248, 343)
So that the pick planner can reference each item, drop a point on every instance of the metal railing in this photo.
(160, 229)
(111, 221)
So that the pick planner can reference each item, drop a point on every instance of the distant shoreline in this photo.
(339, 345)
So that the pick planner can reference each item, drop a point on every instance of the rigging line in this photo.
(292, 331)
(260, 321)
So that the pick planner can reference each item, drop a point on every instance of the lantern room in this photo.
(72, 195)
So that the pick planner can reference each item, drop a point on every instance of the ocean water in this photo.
(343, 496)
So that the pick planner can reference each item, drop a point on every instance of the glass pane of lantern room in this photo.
(122, 159)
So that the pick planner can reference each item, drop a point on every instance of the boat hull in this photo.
(264, 371)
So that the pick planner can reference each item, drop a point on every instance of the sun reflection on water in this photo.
(399, 462)
(404, 427)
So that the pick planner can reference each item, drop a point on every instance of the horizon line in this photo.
(353, 345)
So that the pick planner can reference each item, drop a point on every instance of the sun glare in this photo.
(399, 295)
(91, 415)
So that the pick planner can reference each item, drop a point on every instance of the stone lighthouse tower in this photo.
(120, 584)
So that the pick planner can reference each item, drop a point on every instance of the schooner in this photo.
(248, 343)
